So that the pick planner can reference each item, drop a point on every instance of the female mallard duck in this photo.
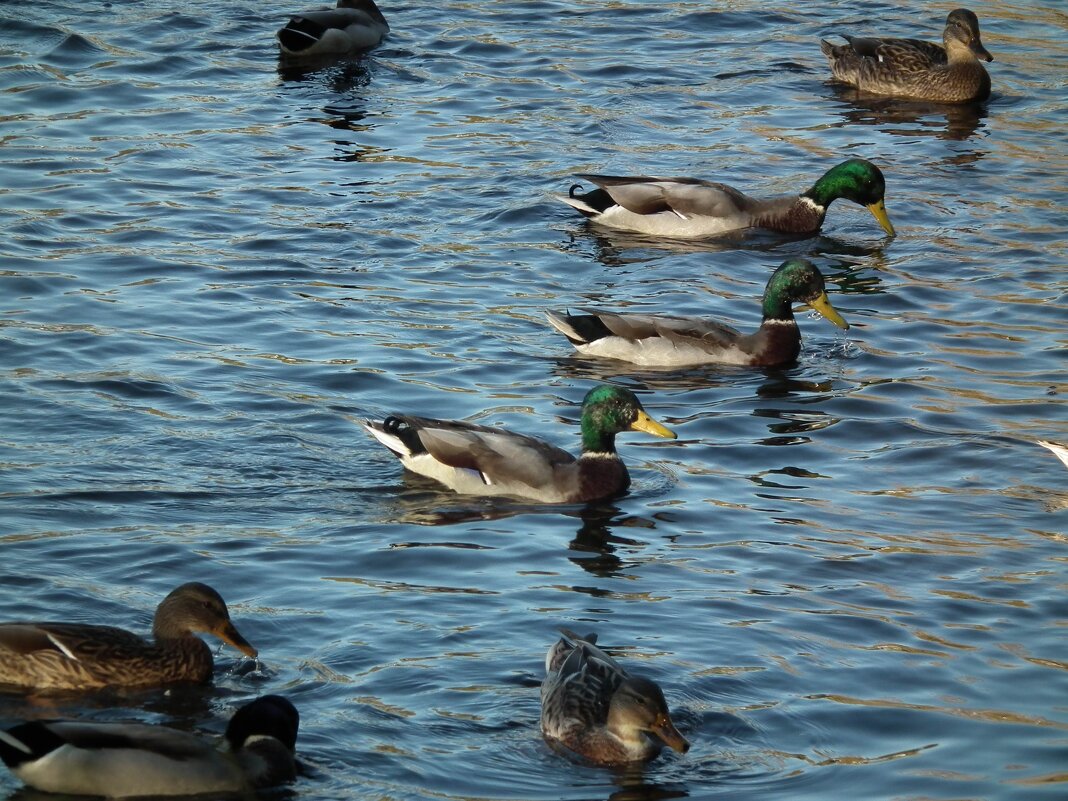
(354, 25)
(691, 207)
(914, 69)
(590, 705)
(120, 760)
(654, 340)
(75, 656)
(481, 460)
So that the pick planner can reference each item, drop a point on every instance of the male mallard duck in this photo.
(654, 340)
(590, 705)
(1059, 450)
(481, 460)
(75, 656)
(691, 207)
(354, 25)
(119, 760)
(915, 69)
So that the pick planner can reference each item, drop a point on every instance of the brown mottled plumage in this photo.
(590, 705)
(915, 69)
(77, 656)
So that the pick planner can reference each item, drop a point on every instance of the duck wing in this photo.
(899, 55)
(502, 457)
(72, 640)
(170, 743)
(634, 326)
(580, 690)
(685, 197)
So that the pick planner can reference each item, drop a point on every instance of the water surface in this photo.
(848, 575)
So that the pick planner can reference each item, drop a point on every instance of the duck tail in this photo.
(562, 323)
(27, 742)
(300, 34)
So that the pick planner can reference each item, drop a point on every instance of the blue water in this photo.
(848, 575)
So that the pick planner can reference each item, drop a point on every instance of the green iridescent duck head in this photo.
(857, 180)
(608, 410)
(798, 281)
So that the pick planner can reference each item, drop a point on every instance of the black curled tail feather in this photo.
(596, 199)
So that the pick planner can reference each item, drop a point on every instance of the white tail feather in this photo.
(390, 441)
(561, 325)
(15, 743)
(577, 203)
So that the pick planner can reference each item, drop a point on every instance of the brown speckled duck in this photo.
(483, 460)
(914, 69)
(76, 656)
(593, 707)
(660, 340)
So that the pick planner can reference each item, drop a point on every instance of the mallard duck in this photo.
(691, 208)
(590, 705)
(352, 26)
(75, 656)
(656, 340)
(120, 760)
(481, 460)
(915, 69)
(1059, 450)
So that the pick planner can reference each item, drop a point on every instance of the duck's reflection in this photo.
(615, 248)
(183, 705)
(595, 540)
(340, 75)
(633, 786)
(909, 117)
(594, 545)
(644, 379)
(779, 384)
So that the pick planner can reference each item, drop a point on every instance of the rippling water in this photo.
(849, 576)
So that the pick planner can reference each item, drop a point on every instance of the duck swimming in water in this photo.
(661, 340)
(483, 460)
(352, 26)
(914, 69)
(593, 707)
(690, 208)
(120, 760)
(76, 656)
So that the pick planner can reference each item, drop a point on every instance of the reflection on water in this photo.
(953, 121)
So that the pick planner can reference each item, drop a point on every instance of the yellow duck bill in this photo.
(878, 211)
